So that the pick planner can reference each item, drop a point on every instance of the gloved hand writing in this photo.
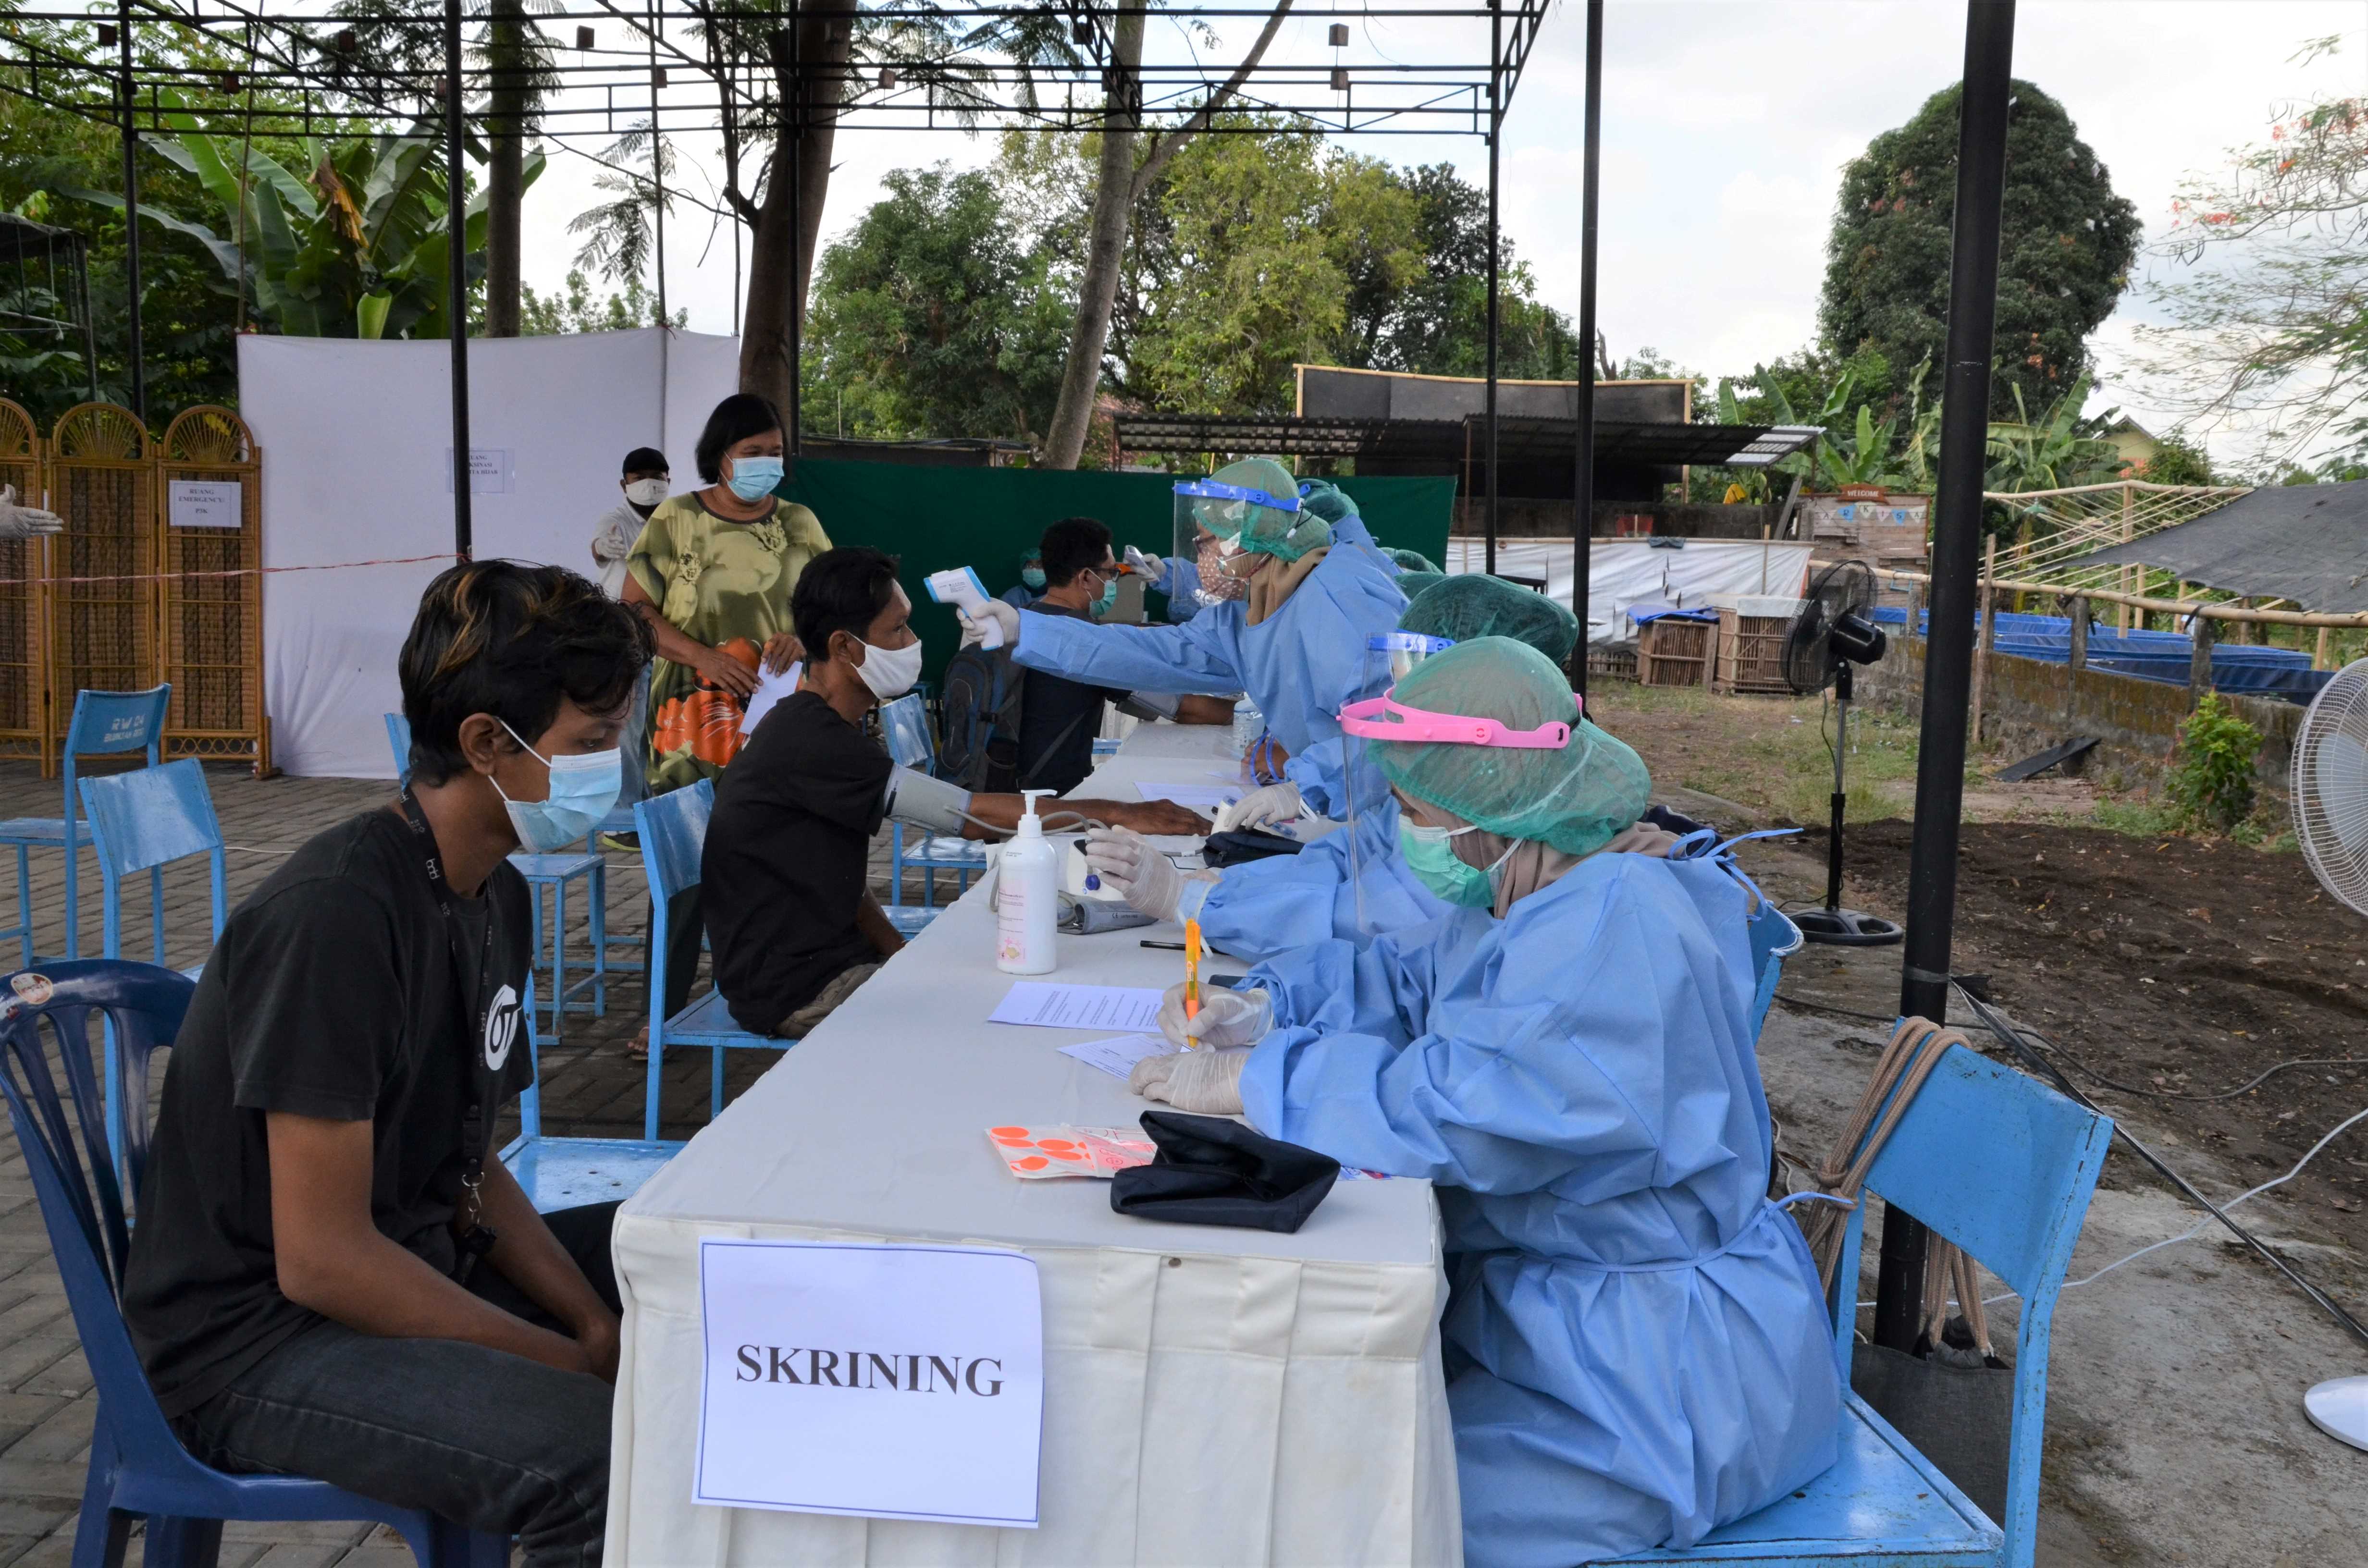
(23, 522)
(1264, 807)
(1206, 1083)
(1126, 860)
(994, 610)
(1150, 568)
(1226, 1017)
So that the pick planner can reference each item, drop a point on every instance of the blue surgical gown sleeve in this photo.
(1506, 1077)
(1201, 656)
(1182, 584)
(1270, 906)
(1318, 773)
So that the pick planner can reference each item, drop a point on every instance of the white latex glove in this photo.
(1206, 1083)
(1148, 567)
(24, 522)
(1127, 861)
(1226, 1017)
(1262, 808)
(995, 611)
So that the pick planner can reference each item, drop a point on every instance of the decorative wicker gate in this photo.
(103, 483)
(210, 598)
(25, 729)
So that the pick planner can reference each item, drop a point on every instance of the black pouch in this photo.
(1210, 1171)
(1243, 844)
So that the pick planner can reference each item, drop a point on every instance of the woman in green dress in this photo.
(712, 574)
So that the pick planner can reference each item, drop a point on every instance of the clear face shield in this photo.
(1371, 813)
(1377, 722)
(1217, 524)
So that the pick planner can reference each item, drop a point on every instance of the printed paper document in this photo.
(1079, 1006)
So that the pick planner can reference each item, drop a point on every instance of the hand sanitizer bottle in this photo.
(1027, 897)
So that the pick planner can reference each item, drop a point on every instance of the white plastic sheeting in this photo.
(1622, 573)
(355, 436)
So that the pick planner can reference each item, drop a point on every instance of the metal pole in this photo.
(135, 348)
(1956, 545)
(1583, 457)
(657, 162)
(456, 262)
(797, 222)
(1495, 128)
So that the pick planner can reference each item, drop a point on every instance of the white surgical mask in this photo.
(891, 672)
(646, 492)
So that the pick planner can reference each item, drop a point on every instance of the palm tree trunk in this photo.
(509, 103)
(779, 271)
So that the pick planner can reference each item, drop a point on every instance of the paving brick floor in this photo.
(592, 1086)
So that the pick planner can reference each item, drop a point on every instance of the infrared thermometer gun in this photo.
(959, 587)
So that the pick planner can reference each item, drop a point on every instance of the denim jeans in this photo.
(484, 1438)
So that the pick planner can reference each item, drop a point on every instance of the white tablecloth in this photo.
(1212, 1396)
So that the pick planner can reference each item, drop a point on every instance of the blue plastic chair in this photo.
(552, 872)
(2003, 1166)
(1774, 938)
(1105, 746)
(137, 1465)
(904, 725)
(566, 1173)
(673, 828)
(105, 723)
(144, 822)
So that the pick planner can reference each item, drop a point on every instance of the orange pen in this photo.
(1192, 969)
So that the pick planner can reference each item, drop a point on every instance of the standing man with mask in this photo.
(644, 484)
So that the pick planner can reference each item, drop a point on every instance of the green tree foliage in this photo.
(572, 308)
(2055, 451)
(932, 317)
(2063, 259)
(2212, 782)
(2176, 460)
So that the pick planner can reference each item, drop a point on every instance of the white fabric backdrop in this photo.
(1625, 572)
(354, 437)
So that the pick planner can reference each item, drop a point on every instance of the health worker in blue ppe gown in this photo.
(1270, 906)
(1031, 586)
(1635, 1344)
(1179, 577)
(1286, 609)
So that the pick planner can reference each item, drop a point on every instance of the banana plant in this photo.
(2057, 451)
(355, 247)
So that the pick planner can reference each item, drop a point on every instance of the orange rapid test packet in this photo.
(1035, 1152)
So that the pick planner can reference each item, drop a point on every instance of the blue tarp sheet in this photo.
(2166, 656)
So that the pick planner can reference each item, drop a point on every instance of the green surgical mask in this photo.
(1033, 577)
(1432, 860)
(1109, 597)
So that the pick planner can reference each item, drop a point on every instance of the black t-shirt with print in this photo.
(331, 993)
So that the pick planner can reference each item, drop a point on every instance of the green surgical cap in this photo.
(1410, 560)
(1414, 583)
(1575, 798)
(1473, 604)
(1264, 530)
(1326, 500)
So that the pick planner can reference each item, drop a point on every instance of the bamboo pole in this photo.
(2319, 659)
(1983, 634)
(2178, 607)
(2129, 574)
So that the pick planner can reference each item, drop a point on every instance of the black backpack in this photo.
(981, 720)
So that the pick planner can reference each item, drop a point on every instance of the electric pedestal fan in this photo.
(2331, 820)
(1828, 636)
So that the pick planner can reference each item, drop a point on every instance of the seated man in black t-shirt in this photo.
(332, 1276)
(1059, 717)
(785, 876)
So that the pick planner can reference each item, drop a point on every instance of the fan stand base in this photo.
(1846, 927)
(2340, 1409)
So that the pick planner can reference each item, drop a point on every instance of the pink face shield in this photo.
(1385, 719)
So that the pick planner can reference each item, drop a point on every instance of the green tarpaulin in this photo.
(938, 518)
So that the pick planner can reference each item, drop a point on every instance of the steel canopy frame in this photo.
(965, 93)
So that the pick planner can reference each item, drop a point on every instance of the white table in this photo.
(1213, 1395)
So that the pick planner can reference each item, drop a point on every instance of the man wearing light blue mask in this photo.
(1060, 717)
(332, 1274)
(1031, 586)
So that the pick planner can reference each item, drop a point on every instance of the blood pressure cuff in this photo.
(930, 804)
(1148, 705)
(1210, 1171)
(1243, 844)
(1092, 917)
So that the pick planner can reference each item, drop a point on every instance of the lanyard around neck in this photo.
(472, 1014)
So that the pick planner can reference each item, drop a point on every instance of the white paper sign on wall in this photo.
(204, 503)
(883, 1381)
(489, 471)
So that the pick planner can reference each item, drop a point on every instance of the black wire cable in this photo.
(2012, 1036)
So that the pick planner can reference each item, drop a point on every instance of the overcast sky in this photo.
(1726, 125)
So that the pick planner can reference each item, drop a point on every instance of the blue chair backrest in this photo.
(141, 821)
(110, 722)
(398, 739)
(82, 1197)
(2002, 1165)
(1774, 938)
(673, 828)
(904, 725)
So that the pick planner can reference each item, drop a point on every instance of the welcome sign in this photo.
(881, 1380)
